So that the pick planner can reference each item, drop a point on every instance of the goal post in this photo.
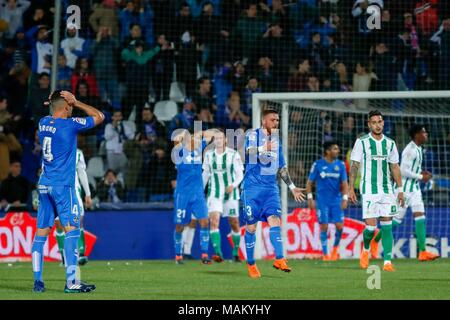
(319, 111)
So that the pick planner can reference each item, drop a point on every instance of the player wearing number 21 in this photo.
(377, 156)
(56, 187)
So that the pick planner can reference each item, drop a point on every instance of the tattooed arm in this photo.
(296, 192)
(354, 169)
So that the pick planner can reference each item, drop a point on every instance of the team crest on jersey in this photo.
(80, 120)
(336, 168)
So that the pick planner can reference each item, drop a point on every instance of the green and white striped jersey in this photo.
(222, 170)
(375, 157)
(81, 179)
(411, 167)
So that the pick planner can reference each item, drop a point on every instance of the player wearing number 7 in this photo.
(377, 156)
(264, 159)
(56, 187)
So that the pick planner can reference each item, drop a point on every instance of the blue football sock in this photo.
(277, 242)
(324, 242)
(337, 237)
(37, 256)
(71, 255)
(204, 240)
(250, 241)
(177, 237)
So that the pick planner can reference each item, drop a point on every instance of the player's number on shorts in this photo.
(47, 149)
(249, 211)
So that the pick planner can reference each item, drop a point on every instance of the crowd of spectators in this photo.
(128, 55)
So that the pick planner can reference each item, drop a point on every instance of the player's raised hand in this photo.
(352, 196)
(298, 194)
(69, 97)
(401, 199)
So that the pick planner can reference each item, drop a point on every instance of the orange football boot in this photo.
(253, 271)
(388, 267)
(281, 264)
(179, 260)
(326, 257)
(427, 256)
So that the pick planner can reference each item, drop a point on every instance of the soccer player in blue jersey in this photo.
(264, 160)
(330, 177)
(189, 196)
(56, 187)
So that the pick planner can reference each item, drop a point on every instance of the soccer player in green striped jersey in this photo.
(377, 157)
(223, 171)
(412, 174)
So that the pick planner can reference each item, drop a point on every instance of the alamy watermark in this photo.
(374, 21)
(266, 147)
(374, 280)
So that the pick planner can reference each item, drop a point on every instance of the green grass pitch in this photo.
(310, 279)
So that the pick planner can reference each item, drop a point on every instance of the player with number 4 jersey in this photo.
(56, 187)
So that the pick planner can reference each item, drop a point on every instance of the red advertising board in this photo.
(303, 237)
(17, 231)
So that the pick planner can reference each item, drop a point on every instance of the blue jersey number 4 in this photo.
(47, 149)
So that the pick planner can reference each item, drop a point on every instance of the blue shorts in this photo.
(259, 204)
(58, 201)
(187, 205)
(329, 213)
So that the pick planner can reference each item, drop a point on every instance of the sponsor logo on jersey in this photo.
(324, 175)
(80, 120)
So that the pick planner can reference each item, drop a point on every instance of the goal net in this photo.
(310, 119)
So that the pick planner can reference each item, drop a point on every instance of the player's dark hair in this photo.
(269, 111)
(328, 144)
(55, 96)
(415, 129)
(374, 113)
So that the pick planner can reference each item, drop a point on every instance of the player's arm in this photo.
(84, 181)
(206, 174)
(313, 173)
(355, 163)
(296, 192)
(344, 186)
(396, 174)
(405, 165)
(238, 169)
(344, 192)
(354, 169)
(309, 188)
(97, 115)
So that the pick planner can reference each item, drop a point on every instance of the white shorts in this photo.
(227, 208)
(414, 201)
(379, 205)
